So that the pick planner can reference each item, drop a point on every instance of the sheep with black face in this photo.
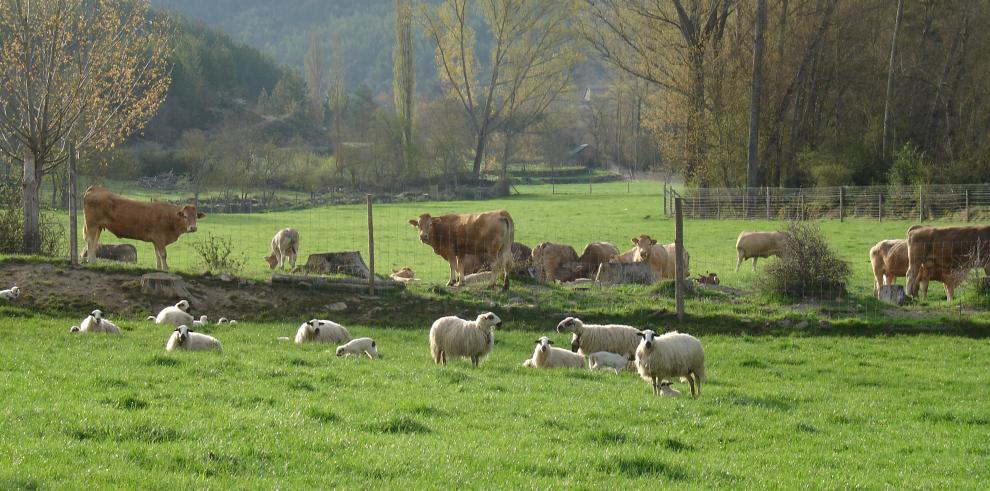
(453, 336)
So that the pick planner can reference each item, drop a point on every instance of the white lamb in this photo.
(667, 391)
(322, 331)
(10, 294)
(224, 320)
(95, 323)
(671, 355)
(202, 321)
(528, 363)
(176, 315)
(184, 339)
(590, 338)
(453, 336)
(601, 360)
(547, 356)
(359, 346)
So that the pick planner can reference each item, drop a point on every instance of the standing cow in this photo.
(158, 223)
(483, 234)
(946, 251)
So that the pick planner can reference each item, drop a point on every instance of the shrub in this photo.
(216, 254)
(808, 267)
(12, 224)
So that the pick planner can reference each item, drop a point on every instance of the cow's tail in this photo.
(505, 256)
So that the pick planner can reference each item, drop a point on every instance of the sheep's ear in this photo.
(373, 344)
(549, 341)
(640, 334)
(536, 342)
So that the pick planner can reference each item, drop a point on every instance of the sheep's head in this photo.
(272, 261)
(183, 333)
(74, 329)
(571, 324)
(202, 319)
(425, 226)
(340, 351)
(223, 320)
(313, 328)
(648, 338)
(97, 316)
(644, 247)
(488, 320)
(16, 291)
(544, 344)
(183, 305)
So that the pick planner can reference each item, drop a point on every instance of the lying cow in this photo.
(648, 251)
(946, 251)
(758, 244)
(668, 269)
(555, 262)
(155, 222)
(125, 253)
(594, 255)
(483, 234)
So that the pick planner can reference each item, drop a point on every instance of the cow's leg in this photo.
(452, 262)
(460, 271)
(949, 290)
(739, 260)
(754, 263)
(912, 280)
(92, 235)
(162, 257)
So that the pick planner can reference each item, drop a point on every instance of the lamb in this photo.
(176, 315)
(600, 360)
(758, 244)
(547, 356)
(11, 293)
(667, 391)
(285, 245)
(528, 363)
(404, 275)
(322, 331)
(669, 355)
(359, 346)
(224, 320)
(201, 321)
(95, 323)
(453, 336)
(184, 339)
(589, 338)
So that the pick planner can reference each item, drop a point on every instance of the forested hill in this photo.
(363, 30)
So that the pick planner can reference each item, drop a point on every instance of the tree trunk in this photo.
(885, 151)
(696, 124)
(506, 154)
(757, 90)
(479, 151)
(31, 197)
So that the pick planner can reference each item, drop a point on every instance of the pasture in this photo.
(776, 412)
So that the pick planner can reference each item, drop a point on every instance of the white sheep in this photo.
(95, 323)
(667, 391)
(11, 293)
(758, 244)
(322, 331)
(184, 339)
(359, 346)
(590, 338)
(547, 356)
(202, 321)
(176, 315)
(224, 320)
(669, 355)
(453, 336)
(601, 360)
(528, 363)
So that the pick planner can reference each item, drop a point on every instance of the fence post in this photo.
(768, 202)
(967, 205)
(841, 203)
(679, 259)
(73, 220)
(589, 179)
(664, 199)
(880, 207)
(801, 212)
(921, 205)
(371, 248)
(718, 207)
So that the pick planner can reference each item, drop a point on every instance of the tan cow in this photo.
(158, 223)
(549, 260)
(668, 268)
(947, 251)
(482, 234)
(758, 244)
(594, 255)
(648, 251)
(889, 259)
(285, 245)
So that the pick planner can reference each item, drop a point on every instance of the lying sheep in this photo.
(669, 355)
(404, 275)
(667, 391)
(224, 320)
(322, 331)
(546, 356)
(758, 244)
(285, 245)
(601, 360)
(11, 293)
(589, 338)
(95, 323)
(202, 321)
(176, 315)
(184, 339)
(359, 346)
(453, 336)
(528, 363)
(126, 253)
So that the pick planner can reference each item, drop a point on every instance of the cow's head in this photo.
(188, 216)
(425, 226)
(644, 247)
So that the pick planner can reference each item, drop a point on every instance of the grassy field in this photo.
(776, 412)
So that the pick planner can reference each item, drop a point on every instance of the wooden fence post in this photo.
(73, 211)
(880, 207)
(801, 214)
(679, 259)
(967, 205)
(841, 203)
(665, 199)
(921, 205)
(768, 202)
(371, 248)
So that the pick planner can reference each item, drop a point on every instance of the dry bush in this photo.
(808, 267)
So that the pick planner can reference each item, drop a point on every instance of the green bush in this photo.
(12, 224)
(807, 267)
(216, 255)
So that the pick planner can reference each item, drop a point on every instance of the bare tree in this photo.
(404, 78)
(752, 179)
(887, 136)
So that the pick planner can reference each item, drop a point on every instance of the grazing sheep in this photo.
(404, 275)
(322, 331)
(184, 339)
(202, 321)
(224, 320)
(176, 315)
(669, 355)
(95, 323)
(285, 245)
(453, 336)
(601, 360)
(758, 244)
(359, 346)
(589, 338)
(667, 391)
(10, 294)
(546, 356)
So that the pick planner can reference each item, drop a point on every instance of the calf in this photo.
(114, 252)
(648, 251)
(285, 245)
(549, 259)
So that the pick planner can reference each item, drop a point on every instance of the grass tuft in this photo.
(399, 425)
(642, 467)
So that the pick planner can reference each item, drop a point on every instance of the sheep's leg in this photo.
(691, 378)
(443, 358)
(656, 386)
(474, 361)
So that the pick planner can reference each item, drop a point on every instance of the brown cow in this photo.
(549, 259)
(483, 234)
(158, 223)
(889, 259)
(594, 255)
(648, 251)
(948, 251)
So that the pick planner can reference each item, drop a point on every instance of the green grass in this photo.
(776, 412)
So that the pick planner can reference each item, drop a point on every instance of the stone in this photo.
(801, 325)
(893, 294)
(622, 273)
(337, 307)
